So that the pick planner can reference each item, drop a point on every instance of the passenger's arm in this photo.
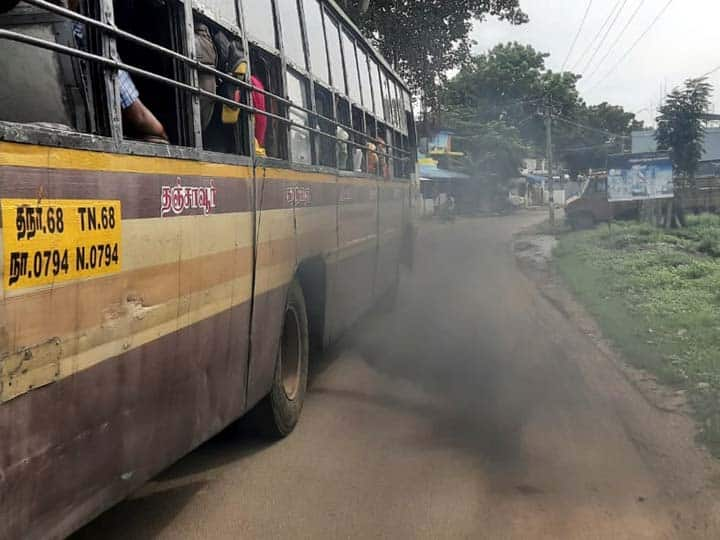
(143, 121)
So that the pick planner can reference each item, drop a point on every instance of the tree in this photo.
(610, 129)
(680, 126)
(424, 39)
(510, 83)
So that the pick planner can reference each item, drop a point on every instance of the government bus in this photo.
(194, 198)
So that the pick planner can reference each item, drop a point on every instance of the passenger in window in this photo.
(138, 117)
(206, 55)
(383, 159)
(258, 81)
(231, 59)
(372, 158)
(135, 114)
(342, 147)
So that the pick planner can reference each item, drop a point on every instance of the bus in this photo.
(194, 198)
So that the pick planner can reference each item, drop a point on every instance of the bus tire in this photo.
(282, 407)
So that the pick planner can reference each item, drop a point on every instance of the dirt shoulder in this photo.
(669, 442)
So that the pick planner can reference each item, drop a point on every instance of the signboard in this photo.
(639, 177)
(55, 240)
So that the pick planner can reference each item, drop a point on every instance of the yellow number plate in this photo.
(52, 241)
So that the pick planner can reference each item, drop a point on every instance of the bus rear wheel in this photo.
(282, 407)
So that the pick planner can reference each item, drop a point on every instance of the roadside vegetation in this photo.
(656, 295)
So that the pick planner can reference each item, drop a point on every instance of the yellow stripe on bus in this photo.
(36, 156)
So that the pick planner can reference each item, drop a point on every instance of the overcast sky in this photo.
(684, 43)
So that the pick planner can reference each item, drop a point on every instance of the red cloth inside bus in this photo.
(258, 101)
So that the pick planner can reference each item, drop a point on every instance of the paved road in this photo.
(476, 410)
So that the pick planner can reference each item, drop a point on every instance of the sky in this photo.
(684, 43)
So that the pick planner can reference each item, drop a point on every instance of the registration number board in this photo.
(56, 240)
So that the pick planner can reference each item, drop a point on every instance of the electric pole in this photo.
(549, 158)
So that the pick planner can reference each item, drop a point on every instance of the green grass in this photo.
(656, 296)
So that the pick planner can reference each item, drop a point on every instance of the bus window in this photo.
(377, 93)
(292, 38)
(371, 132)
(224, 129)
(325, 145)
(399, 108)
(160, 22)
(406, 162)
(365, 79)
(344, 150)
(385, 93)
(316, 40)
(336, 64)
(265, 68)
(67, 93)
(384, 140)
(259, 21)
(407, 101)
(224, 10)
(397, 163)
(300, 147)
(389, 109)
(358, 154)
(351, 68)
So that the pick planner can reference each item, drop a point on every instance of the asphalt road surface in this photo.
(475, 410)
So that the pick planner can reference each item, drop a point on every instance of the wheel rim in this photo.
(291, 353)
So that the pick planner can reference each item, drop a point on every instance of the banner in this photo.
(639, 177)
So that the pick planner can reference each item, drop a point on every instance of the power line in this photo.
(607, 33)
(634, 45)
(583, 148)
(574, 42)
(617, 39)
(588, 128)
(599, 33)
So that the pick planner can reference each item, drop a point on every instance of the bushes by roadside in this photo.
(656, 294)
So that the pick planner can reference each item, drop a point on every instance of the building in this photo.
(644, 142)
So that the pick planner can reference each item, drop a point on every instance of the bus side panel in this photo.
(275, 265)
(392, 202)
(353, 287)
(317, 241)
(106, 381)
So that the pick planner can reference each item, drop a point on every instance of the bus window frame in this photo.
(207, 11)
(323, 81)
(269, 47)
(300, 16)
(334, 23)
(118, 144)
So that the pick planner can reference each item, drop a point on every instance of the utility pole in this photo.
(549, 158)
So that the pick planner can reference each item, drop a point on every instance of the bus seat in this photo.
(40, 85)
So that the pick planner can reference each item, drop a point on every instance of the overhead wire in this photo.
(605, 36)
(580, 60)
(589, 128)
(617, 40)
(629, 51)
(577, 35)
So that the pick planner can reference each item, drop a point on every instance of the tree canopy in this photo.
(680, 126)
(510, 84)
(424, 39)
